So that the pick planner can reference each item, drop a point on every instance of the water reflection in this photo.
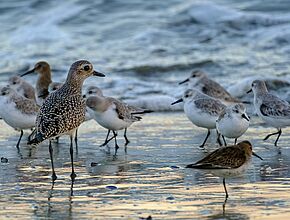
(148, 180)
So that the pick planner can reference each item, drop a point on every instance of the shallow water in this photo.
(148, 180)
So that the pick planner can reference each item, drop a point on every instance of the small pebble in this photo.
(170, 198)
(4, 160)
(174, 167)
(112, 187)
(93, 164)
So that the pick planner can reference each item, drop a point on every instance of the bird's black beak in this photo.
(245, 117)
(250, 91)
(28, 72)
(179, 100)
(95, 73)
(256, 155)
(184, 81)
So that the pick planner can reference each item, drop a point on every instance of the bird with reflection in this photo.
(64, 110)
(227, 161)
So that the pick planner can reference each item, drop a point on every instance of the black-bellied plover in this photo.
(22, 87)
(227, 161)
(64, 110)
(17, 111)
(202, 110)
(200, 81)
(233, 122)
(111, 113)
(273, 110)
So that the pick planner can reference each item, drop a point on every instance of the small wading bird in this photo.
(270, 108)
(111, 113)
(64, 110)
(202, 110)
(227, 161)
(233, 122)
(17, 111)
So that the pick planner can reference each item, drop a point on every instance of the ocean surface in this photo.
(145, 48)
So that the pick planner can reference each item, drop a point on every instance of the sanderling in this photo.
(227, 161)
(202, 110)
(111, 113)
(22, 87)
(64, 110)
(233, 122)
(200, 81)
(43, 81)
(270, 108)
(17, 111)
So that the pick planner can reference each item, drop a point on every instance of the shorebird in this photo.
(270, 108)
(43, 81)
(64, 110)
(202, 110)
(22, 87)
(227, 161)
(200, 81)
(111, 113)
(17, 111)
(233, 122)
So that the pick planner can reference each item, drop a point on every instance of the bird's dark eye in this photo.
(193, 76)
(3, 93)
(186, 96)
(86, 67)
(236, 111)
(14, 83)
(90, 92)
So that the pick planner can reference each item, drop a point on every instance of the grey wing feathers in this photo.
(213, 107)
(125, 111)
(274, 106)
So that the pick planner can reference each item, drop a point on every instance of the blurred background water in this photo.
(145, 48)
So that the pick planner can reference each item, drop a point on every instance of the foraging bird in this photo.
(202, 110)
(227, 161)
(17, 111)
(22, 87)
(200, 81)
(233, 122)
(64, 110)
(270, 108)
(111, 113)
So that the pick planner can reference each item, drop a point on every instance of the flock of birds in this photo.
(55, 109)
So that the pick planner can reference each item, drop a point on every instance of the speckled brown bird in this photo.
(227, 161)
(64, 110)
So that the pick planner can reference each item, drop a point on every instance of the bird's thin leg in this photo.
(208, 133)
(224, 182)
(269, 135)
(224, 140)
(236, 139)
(279, 134)
(218, 138)
(53, 176)
(125, 136)
(21, 134)
(116, 144)
(73, 175)
(76, 141)
(107, 140)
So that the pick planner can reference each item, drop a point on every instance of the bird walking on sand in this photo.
(200, 81)
(64, 110)
(227, 161)
(202, 110)
(22, 87)
(271, 109)
(233, 122)
(112, 114)
(17, 111)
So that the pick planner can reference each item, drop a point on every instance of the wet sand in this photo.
(148, 180)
